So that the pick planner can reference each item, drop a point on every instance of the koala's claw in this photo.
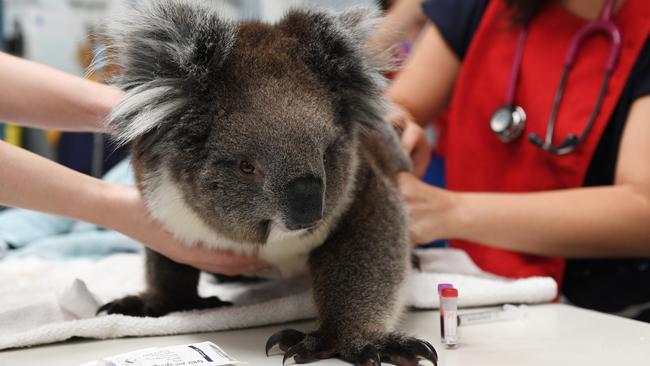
(369, 357)
(129, 305)
(203, 303)
(298, 352)
(408, 351)
(144, 305)
(430, 352)
(393, 347)
(285, 339)
(299, 346)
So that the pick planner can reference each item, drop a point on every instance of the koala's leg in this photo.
(170, 287)
(358, 275)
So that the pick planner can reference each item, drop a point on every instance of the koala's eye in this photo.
(246, 167)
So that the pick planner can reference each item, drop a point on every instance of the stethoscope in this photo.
(509, 121)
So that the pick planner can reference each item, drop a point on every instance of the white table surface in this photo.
(552, 335)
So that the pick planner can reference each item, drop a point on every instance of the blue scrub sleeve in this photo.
(457, 21)
(641, 73)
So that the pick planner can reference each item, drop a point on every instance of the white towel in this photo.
(50, 301)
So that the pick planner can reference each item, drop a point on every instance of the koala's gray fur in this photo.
(269, 139)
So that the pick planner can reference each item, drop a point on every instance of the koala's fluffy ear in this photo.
(337, 50)
(166, 51)
(334, 46)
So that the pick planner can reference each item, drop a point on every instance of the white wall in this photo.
(53, 29)
(338, 4)
(272, 10)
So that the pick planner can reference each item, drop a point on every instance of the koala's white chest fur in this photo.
(286, 251)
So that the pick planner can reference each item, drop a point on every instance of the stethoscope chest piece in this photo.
(508, 122)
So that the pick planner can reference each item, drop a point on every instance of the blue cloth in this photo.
(27, 233)
(435, 175)
(76, 152)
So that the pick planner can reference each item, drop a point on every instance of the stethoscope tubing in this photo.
(602, 25)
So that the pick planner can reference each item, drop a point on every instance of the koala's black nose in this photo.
(305, 202)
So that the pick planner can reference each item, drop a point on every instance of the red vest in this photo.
(478, 162)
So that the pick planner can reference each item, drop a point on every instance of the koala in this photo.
(269, 140)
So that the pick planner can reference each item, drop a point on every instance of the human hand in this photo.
(413, 140)
(135, 222)
(429, 208)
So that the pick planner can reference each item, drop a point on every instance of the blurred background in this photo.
(59, 33)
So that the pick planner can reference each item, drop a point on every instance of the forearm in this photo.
(419, 90)
(593, 222)
(32, 182)
(39, 96)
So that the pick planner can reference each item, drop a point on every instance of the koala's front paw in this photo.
(143, 305)
(393, 347)
(302, 347)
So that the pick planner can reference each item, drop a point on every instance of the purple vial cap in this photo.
(442, 286)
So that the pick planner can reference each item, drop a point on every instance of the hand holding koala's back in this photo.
(138, 224)
(412, 138)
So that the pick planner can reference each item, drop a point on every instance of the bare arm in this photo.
(40, 96)
(32, 182)
(611, 221)
(424, 86)
(420, 92)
